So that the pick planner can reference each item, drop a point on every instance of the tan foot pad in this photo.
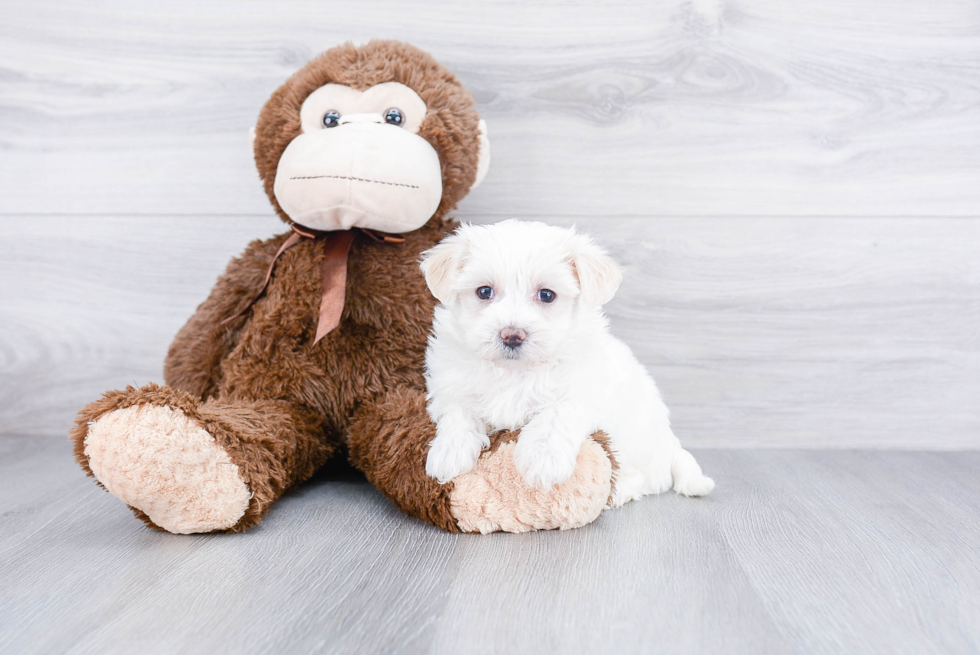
(161, 462)
(493, 497)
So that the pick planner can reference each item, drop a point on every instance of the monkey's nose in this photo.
(513, 337)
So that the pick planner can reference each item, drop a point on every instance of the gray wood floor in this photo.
(797, 552)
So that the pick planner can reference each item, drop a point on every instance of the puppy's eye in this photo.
(331, 118)
(484, 293)
(546, 295)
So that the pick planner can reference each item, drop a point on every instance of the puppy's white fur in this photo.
(567, 379)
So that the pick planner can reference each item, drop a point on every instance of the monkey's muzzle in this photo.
(359, 174)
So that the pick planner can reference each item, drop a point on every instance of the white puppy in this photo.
(520, 341)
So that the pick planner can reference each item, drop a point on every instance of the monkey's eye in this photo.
(331, 118)
(484, 293)
(394, 116)
(546, 295)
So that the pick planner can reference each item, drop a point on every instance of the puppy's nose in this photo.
(513, 337)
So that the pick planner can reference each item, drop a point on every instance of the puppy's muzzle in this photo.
(513, 337)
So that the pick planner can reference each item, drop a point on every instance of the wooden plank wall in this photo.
(793, 188)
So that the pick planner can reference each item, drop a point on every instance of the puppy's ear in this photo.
(441, 263)
(598, 275)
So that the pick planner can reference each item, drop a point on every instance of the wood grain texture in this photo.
(804, 552)
(793, 190)
(761, 332)
(814, 332)
(704, 107)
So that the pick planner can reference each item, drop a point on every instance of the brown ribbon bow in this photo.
(333, 273)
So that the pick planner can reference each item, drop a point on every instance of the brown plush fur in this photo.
(281, 405)
(394, 459)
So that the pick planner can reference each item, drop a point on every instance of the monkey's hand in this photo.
(494, 496)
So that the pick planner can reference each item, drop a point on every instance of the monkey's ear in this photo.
(441, 263)
(598, 275)
(251, 133)
(483, 164)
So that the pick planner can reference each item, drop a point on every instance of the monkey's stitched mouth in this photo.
(354, 179)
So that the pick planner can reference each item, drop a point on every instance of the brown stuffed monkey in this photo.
(312, 343)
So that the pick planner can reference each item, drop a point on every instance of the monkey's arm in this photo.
(389, 440)
(193, 362)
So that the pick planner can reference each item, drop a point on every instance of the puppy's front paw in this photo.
(451, 457)
(545, 462)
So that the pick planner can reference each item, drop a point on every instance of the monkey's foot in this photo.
(161, 462)
(494, 497)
